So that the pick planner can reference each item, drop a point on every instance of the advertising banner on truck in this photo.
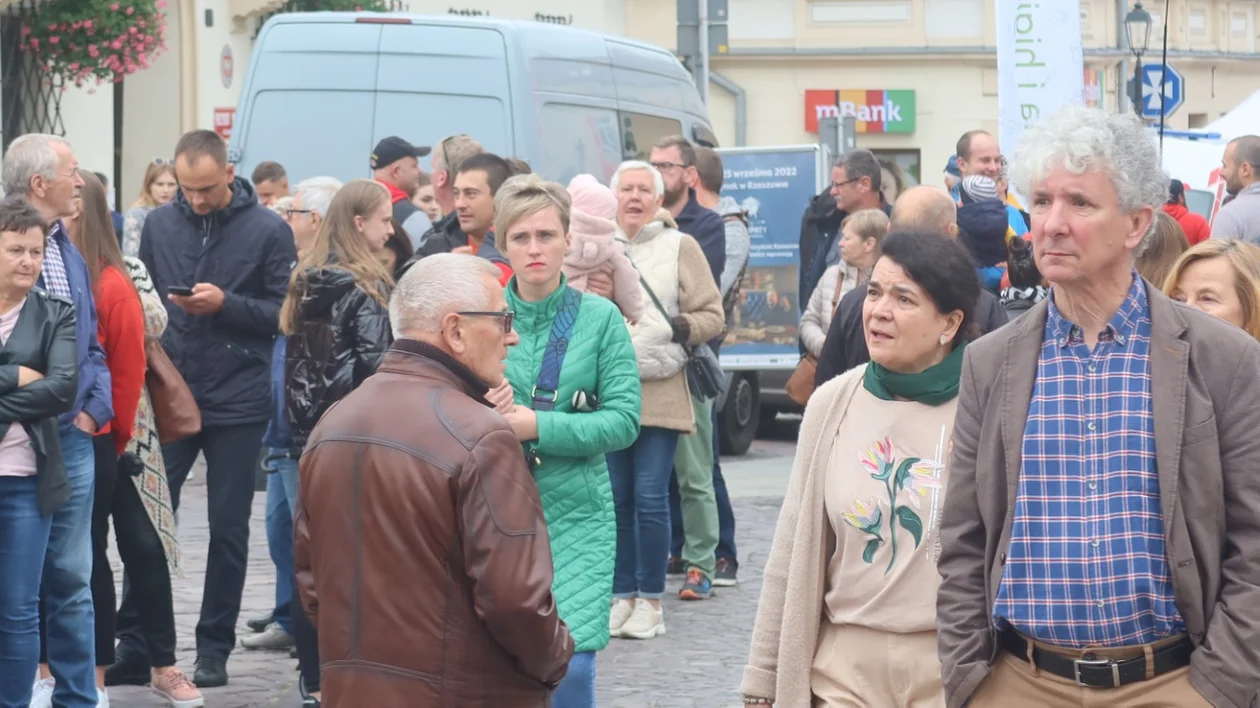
(773, 185)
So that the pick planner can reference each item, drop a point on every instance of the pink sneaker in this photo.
(173, 686)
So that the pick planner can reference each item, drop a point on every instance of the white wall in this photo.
(151, 111)
(211, 93)
(602, 15)
(89, 121)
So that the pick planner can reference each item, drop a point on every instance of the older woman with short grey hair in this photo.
(1099, 526)
(686, 311)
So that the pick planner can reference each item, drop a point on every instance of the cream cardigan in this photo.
(790, 610)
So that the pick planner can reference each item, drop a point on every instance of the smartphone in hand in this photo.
(180, 290)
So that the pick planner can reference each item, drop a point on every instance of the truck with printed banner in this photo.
(773, 185)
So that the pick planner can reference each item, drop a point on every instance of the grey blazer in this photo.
(43, 340)
(1205, 392)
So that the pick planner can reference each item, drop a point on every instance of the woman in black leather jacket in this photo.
(39, 374)
(336, 323)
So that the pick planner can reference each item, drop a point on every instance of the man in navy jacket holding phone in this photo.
(235, 256)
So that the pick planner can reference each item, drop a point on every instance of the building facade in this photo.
(917, 73)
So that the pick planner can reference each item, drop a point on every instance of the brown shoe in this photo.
(175, 687)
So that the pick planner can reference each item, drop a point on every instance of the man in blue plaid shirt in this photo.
(1101, 533)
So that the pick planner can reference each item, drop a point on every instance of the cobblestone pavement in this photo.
(698, 663)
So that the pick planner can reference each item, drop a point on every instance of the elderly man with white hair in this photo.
(311, 199)
(685, 311)
(1100, 540)
(43, 168)
(421, 550)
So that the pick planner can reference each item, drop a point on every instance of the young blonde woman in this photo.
(336, 325)
(1222, 278)
(860, 232)
(159, 189)
(568, 410)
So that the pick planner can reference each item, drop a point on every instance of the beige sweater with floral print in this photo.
(828, 528)
(882, 496)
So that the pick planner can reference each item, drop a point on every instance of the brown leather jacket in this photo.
(420, 546)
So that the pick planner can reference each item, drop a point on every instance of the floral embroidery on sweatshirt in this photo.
(909, 482)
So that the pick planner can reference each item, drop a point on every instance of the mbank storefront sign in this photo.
(875, 111)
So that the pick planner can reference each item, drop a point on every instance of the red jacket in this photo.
(1195, 226)
(121, 333)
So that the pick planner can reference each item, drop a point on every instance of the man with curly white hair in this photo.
(1101, 532)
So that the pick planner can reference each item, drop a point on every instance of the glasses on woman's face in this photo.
(290, 213)
(507, 316)
(161, 161)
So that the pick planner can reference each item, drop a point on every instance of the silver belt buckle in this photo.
(1115, 670)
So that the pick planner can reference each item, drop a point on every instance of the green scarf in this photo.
(933, 386)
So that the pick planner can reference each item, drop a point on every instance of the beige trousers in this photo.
(856, 667)
(1015, 682)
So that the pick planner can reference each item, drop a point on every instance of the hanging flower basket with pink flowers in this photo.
(81, 40)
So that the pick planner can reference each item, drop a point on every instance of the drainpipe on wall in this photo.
(188, 80)
(741, 105)
(1122, 41)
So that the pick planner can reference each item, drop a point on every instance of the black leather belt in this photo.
(1095, 672)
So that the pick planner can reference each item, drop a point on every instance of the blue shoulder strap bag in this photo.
(543, 397)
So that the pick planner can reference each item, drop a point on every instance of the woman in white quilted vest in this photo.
(682, 306)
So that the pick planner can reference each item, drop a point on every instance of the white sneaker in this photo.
(621, 611)
(645, 623)
(273, 639)
(102, 698)
(41, 694)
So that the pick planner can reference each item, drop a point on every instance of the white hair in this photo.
(29, 155)
(317, 193)
(658, 182)
(1080, 139)
(435, 287)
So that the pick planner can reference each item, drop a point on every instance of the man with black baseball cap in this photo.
(394, 165)
(1195, 226)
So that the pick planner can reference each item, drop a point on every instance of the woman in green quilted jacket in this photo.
(572, 395)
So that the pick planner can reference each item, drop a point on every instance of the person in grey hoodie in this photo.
(738, 243)
(1240, 218)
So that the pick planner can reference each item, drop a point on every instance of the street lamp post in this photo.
(1137, 29)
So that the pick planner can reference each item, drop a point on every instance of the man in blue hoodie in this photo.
(44, 169)
(223, 261)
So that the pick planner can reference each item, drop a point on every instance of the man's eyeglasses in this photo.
(289, 213)
(838, 185)
(667, 166)
(508, 317)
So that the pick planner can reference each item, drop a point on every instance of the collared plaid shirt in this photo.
(54, 277)
(1087, 564)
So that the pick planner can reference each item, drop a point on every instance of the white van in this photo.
(324, 87)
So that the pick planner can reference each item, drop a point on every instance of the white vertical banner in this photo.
(1040, 64)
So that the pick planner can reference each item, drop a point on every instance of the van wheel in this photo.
(740, 415)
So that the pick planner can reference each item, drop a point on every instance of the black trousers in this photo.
(231, 454)
(306, 640)
(142, 555)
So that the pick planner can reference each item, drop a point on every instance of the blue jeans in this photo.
(640, 485)
(281, 502)
(66, 594)
(23, 542)
(577, 690)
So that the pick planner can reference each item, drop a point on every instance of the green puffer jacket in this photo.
(572, 476)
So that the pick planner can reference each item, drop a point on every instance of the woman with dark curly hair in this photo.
(849, 599)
